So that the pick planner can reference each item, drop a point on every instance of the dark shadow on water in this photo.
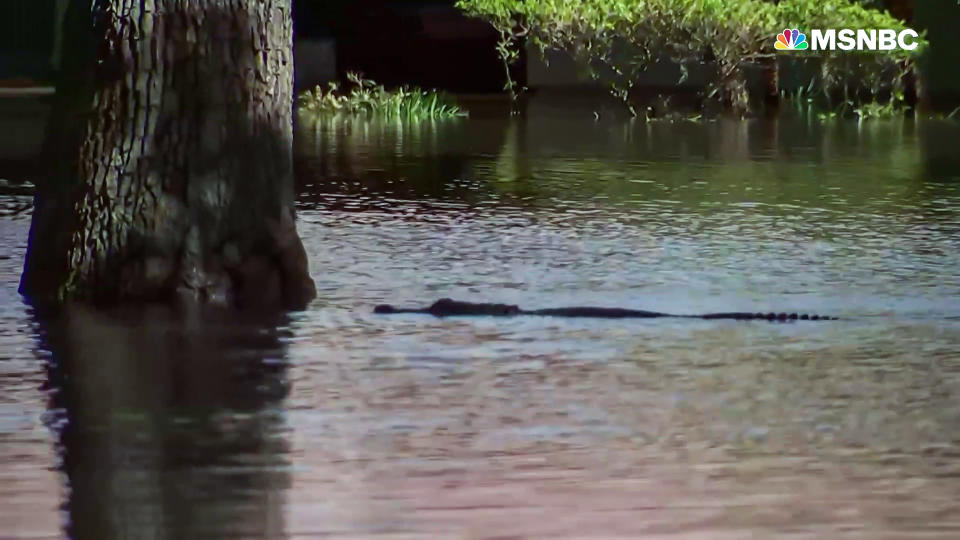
(169, 426)
(940, 157)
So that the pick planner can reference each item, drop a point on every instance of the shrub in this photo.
(619, 39)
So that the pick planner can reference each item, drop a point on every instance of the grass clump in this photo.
(619, 39)
(364, 97)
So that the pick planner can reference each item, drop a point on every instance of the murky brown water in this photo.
(338, 423)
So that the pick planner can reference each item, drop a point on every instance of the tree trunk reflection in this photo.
(169, 426)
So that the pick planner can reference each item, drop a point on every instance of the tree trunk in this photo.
(171, 158)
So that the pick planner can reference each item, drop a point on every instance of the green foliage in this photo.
(619, 39)
(366, 97)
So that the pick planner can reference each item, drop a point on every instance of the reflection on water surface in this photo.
(335, 422)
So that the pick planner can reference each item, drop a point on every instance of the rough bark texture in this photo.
(171, 158)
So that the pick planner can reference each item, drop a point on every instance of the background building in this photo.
(29, 39)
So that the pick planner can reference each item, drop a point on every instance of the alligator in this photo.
(446, 307)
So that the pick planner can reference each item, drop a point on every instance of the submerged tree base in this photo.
(277, 276)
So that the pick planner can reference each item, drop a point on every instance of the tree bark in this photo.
(171, 158)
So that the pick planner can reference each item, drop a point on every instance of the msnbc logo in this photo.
(791, 40)
(848, 39)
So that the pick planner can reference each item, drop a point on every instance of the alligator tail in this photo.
(744, 316)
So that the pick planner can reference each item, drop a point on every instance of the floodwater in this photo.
(337, 423)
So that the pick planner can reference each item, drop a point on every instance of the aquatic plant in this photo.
(619, 39)
(366, 97)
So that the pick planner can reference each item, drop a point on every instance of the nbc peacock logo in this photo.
(791, 40)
